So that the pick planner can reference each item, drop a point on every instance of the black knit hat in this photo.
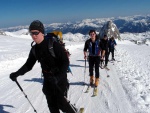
(37, 25)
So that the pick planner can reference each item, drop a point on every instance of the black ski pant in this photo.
(56, 102)
(106, 57)
(94, 60)
(111, 50)
(56, 95)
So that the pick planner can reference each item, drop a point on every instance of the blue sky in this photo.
(23, 12)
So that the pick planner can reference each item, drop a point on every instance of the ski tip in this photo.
(86, 91)
(95, 92)
(94, 95)
(107, 68)
(81, 110)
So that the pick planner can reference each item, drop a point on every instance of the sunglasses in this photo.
(92, 34)
(34, 33)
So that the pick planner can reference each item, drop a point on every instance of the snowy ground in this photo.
(127, 90)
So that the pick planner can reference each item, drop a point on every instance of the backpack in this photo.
(97, 50)
(54, 36)
(112, 43)
(58, 34)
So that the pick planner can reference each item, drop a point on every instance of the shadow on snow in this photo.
(81, 60)
(40, 80)
(78, 83)
(2, 108)
(73, 65)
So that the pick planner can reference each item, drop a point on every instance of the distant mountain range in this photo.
(132, 24)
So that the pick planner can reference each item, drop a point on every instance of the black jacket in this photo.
(58, 65)
(86, 46)
(104, 44)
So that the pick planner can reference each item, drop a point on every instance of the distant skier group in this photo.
(98, 51)
(54, 64)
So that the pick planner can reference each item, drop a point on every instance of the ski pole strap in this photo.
(19, 85)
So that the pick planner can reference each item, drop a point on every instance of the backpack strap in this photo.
(33, 49)
(50, 46)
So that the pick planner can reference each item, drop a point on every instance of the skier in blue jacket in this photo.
(112, 43)
(94, 47)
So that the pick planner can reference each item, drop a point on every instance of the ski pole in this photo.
(25, 95)
(84, 72)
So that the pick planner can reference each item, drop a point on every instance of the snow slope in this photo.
(134, 73)
(127, 90)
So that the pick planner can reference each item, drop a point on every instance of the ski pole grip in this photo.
(19, 85)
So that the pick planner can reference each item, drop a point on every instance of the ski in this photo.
(107, 68)
(95, 92)
(108, 76)
(101, 67)
(81, 110)
(112, 60)
(88, 89)
(104, 67)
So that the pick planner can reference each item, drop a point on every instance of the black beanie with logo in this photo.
(37, 25)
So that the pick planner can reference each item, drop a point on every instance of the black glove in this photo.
(53, 80)
(13, 76)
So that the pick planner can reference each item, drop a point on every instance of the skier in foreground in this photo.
(54, 70)
(94, 47)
